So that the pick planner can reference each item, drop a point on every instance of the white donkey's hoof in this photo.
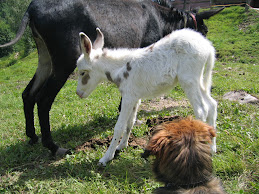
(63, 151)
(214, 146)
(101, 164)
(213, 149)
(103, 161)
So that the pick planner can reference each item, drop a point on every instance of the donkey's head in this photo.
(89, 76)
(192, 19)
(200, 17)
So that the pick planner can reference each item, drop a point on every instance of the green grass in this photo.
(27, 169)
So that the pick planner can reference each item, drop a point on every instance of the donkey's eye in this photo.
(82, 73)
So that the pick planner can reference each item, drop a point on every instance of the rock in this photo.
(240, 96)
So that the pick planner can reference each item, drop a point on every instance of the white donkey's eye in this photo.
(82, 73)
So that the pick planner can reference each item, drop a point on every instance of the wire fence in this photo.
(191, 4)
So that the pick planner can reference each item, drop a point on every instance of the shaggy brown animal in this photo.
(183, 157)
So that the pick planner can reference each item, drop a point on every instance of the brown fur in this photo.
(85, 79)
(128, 66)
(183, 157)
(126, 74)
(108, 75)
(117, 81)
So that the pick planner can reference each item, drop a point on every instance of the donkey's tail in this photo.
(21, 30)
(208, 71)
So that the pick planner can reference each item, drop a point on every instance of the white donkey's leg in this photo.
(212, 117)
(204, 106)
(120, 127)
(200, 107)
(130, 123)
(212, 113)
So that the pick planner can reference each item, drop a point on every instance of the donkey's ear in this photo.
(208, 14)
(86, 44)
(195, 10)
(99, 41)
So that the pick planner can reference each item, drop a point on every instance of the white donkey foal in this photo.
(183, 56)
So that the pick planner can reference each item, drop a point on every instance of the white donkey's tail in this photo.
(208, 71)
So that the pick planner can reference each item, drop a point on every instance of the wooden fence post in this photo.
(247, 4)
(184, 5)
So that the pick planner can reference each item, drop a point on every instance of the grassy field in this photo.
(27, 169)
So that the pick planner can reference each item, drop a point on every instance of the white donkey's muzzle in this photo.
(80, 93)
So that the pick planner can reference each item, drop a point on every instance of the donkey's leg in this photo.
(130, 123)
(41, 75)
(120, 127)
(44, 100)
(214, 145)
(28, 107)
(212, 116)
(193, 91)
(196, 96)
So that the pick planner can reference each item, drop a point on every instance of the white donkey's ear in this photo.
(86, 44)
(99, 41)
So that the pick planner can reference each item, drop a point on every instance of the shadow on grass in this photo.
(22, 162)
(68, 136)
(122, 171)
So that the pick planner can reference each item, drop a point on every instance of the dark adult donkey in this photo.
(55, 26)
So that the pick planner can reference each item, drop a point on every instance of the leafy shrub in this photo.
(5, 36)
(11, 15)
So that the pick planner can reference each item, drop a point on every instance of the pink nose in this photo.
(79, 93)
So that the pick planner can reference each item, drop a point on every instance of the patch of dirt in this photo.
(135, 142)
(156, 121)
(241, 97)
(158, 104)
(151, 123)
(248, 22)
(93, 143)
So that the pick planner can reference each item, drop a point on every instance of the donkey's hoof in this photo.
(34, 140)
(214, 149)
(103, 161)
(62, 151)
(101, 164)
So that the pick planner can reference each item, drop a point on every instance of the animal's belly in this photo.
(156, 90)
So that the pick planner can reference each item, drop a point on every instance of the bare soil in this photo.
(161, 103)
(135, 142)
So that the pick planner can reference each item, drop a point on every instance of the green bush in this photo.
(5, 36)
(11, 15)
